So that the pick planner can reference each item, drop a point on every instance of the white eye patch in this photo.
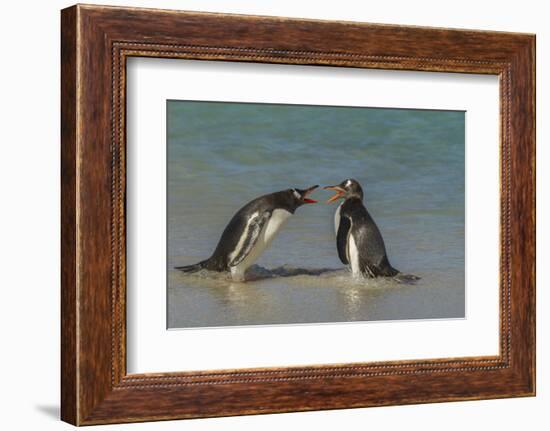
(348, 183)
(298, 195)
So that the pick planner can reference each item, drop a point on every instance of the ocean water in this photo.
(410, 164)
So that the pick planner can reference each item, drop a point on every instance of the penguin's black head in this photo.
(298, 197)
(349, 188)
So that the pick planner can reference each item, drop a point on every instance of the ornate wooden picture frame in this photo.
(96, 41)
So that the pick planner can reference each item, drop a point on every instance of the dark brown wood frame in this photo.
(95, 43)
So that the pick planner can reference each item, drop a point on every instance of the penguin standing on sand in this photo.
(251, 230)
(358, 239)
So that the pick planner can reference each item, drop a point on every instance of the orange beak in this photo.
(339, 193)
(306, 193)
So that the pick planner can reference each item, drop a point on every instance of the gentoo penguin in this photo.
(251, 230)
(358, 239)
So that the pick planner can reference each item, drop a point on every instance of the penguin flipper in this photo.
(253, 231)
(342, 239)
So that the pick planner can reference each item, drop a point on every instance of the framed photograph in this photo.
(264, 215)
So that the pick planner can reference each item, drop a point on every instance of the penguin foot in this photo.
(406, 278)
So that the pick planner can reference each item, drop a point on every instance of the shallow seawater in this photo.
(410, 164)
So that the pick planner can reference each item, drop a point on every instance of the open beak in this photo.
(307, 192)
(339, 193)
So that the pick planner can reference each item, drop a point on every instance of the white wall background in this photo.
(29, 216)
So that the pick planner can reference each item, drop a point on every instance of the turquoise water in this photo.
(409, 162)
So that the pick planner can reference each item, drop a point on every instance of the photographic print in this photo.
(240, 207)
(289, 214)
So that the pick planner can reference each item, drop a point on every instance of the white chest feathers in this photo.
(353, 256)
(268, 233)
(277, 220)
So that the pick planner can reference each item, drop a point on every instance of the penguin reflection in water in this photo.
(250, 232)
(358, 239)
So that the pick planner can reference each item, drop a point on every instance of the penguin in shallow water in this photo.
(358, 239)
(251, 230)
